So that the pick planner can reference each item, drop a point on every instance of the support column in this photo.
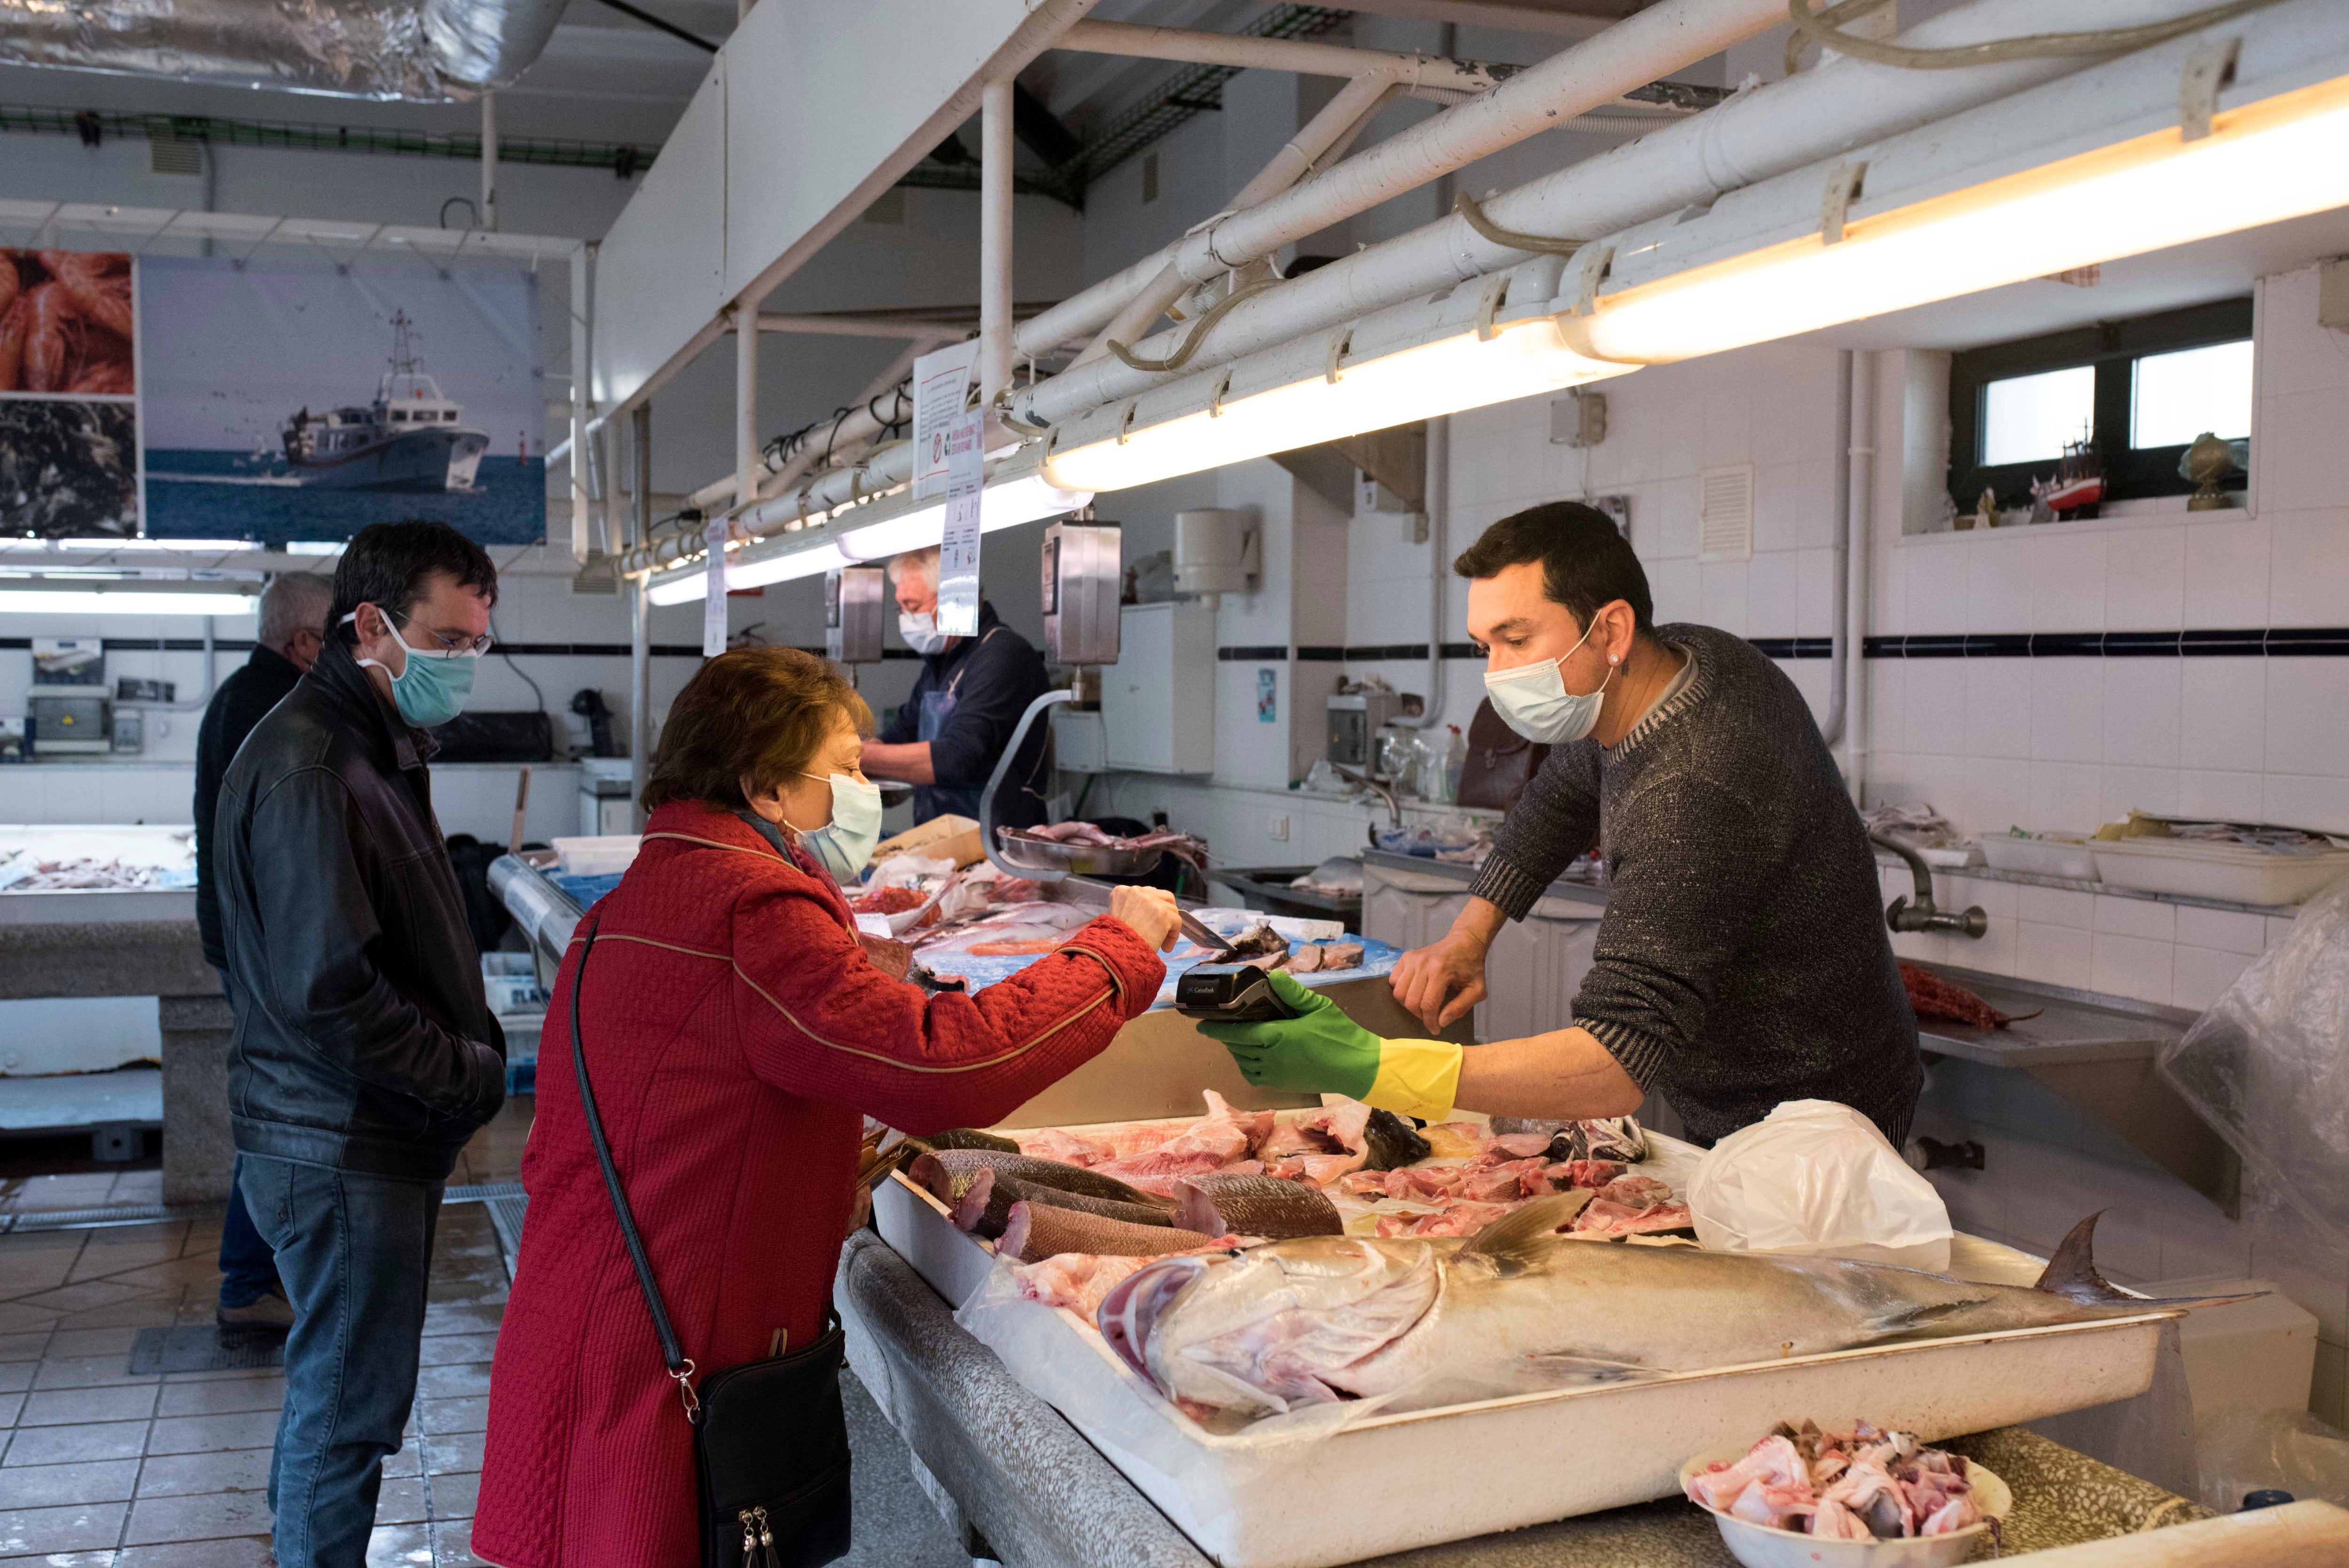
(995, 220)
(745, 401)
(582, 311)
(490, 161)
(640, 661)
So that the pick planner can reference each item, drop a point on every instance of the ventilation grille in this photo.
(1724, 530)
(175, 155)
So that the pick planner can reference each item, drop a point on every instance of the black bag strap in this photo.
(672, 1353)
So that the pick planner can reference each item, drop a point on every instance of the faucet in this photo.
(1395, 806)
(1923, 914)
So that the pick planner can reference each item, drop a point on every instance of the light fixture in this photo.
(687, 585)
(1461, 368)
(121, 602)
(1004, 503)
(205, 546)
(2279, 156)
(2113, 161)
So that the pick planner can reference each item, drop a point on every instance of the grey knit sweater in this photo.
(1743, 960)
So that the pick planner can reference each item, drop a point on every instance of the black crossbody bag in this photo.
(770, 1438)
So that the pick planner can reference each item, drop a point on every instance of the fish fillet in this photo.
(1036, 1231)
(984, 1205)
(966, 1163)
(1221, 1204)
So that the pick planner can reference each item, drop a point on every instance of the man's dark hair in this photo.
(390, 565)
(1586, 561)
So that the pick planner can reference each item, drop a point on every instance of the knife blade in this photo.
(1200, 932)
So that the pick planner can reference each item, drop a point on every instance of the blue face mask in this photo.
(1532, 699)
(433, 688)
(843, 845)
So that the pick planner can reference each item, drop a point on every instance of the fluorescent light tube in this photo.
(126, 601)
(208, 546)
(1453, 372)
(2278, 157)
(1007, 504)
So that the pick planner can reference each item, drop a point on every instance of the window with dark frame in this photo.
(2013, 405)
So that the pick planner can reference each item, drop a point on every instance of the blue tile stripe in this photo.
(2275, 642)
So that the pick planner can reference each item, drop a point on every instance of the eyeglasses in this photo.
(469, 647)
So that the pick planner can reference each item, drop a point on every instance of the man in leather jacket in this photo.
(364, 1053)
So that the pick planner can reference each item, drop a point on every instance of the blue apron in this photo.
(937, 707)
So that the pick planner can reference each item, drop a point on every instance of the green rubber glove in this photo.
(1320, 1051)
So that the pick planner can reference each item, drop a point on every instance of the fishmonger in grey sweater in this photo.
(1743, 960)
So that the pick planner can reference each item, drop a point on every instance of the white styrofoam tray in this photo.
(2054, 857)
(1500, 1464)
(2237, 872)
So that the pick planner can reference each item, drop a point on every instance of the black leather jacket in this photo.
(363, 1040)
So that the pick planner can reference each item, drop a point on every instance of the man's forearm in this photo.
(908, 762)
(1566, 1075)
(1479, 921)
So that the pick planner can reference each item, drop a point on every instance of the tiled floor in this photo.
(103, 1469)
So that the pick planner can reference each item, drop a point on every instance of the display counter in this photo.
(1013, 1476)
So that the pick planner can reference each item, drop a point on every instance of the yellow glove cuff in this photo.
(1417, 1078)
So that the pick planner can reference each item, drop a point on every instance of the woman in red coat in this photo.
(736, 1036)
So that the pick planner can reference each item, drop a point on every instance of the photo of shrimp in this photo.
(69, 470)
(65, 322)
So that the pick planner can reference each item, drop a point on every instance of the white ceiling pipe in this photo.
(993, 368)
(1631, 54)
(1635, 50)
(1783, 126)
(857, 326)
(1302, 57)
(1338, 122)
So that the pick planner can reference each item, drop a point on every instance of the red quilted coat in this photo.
(737, 1036)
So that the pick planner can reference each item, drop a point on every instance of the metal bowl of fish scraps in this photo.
(1099, 855)
(1858, 1498)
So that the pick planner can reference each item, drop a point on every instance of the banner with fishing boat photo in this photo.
(68, 395)
(294, 398)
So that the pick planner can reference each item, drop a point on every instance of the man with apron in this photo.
(946, 737)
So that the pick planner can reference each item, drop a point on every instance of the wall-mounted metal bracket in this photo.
(1835, 203)
(2208, 69)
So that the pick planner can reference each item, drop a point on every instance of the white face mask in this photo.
(921, 631)
(1532, 699)
(843, 845)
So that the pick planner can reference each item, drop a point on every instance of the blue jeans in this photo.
(356, 1254)
(248, 1271)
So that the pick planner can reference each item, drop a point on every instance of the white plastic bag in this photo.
(1818, 1177)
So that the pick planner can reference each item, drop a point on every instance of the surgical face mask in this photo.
(921, 631)
(1532, 699)
(844, 844)
(433, 688)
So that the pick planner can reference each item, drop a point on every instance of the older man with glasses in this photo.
(293, 628)
(365, 1053)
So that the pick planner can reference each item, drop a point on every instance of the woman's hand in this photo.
(1151, 911)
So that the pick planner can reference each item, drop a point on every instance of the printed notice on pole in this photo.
(941, 385)
(959, 549)
(713, 607)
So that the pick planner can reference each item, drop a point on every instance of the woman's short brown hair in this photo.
(759, 714)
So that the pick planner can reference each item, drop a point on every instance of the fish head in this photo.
(1272, 1327)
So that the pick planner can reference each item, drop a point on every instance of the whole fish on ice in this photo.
(1517, 1308)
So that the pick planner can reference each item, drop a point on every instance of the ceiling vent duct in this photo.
(422, 51)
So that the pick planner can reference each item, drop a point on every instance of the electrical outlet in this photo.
(1277, 829)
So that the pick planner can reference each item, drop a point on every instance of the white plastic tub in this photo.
(2236, 872)
(599, 857)
(1501, 1464)
(2068, 855)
